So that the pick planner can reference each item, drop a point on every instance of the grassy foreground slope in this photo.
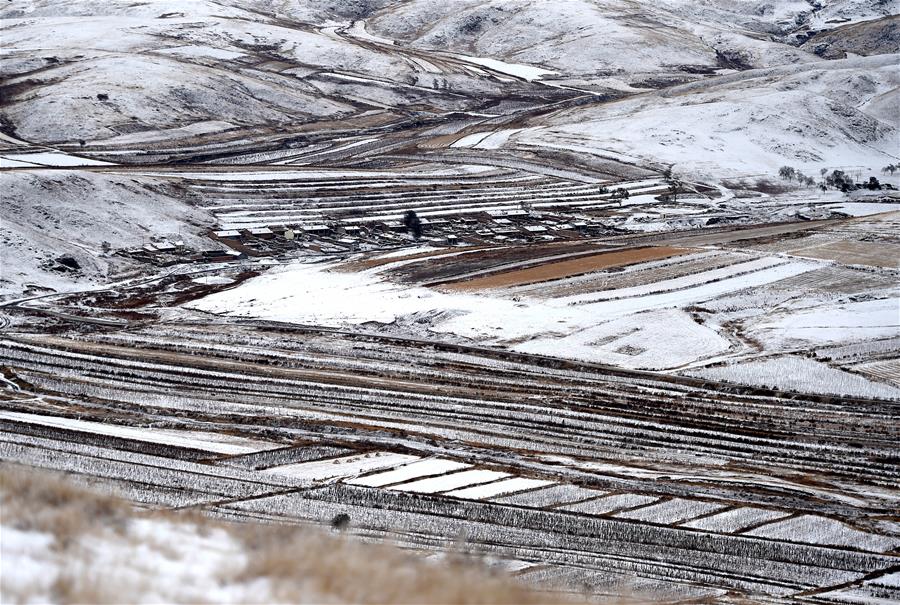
(64, 543)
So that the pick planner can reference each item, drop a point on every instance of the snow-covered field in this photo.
(798, 374)
(46, 159)
(407, 472)
(211, 442)
(671, 511)
(499, 488)
(607, 504)
(650, 325)
(736, 519)
(450, 481)
(820, 530)
(835, 323)
(347, 466)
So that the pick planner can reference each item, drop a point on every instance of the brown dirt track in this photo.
(566, 268)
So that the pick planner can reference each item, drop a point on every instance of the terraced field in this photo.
(560, 314)
(247, 199)
(578, 476)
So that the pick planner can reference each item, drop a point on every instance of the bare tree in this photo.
(787, 173)
(676, 186)
(413, 223)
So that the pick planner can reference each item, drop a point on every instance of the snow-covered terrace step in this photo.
(735, 519)
(352, 198)
(671, 511)
(451, 481)
(379, 212)
(551, 496)
(338, 183)
(347, 193)
(813, 529)
(608, 504)
(575, 196)
(498, 488)
(408, 472)
(239, 220)
(328, 206)
(346, 466)
(218, 443)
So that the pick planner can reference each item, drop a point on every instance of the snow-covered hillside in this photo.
(619, 37)
(97, 70)
(49, 215)
(822, 115)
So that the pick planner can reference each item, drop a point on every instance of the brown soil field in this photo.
(567, 268)
(440, 269)
(873, 254)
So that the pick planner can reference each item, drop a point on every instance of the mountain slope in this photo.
(97, 70)
(47, 215)
(823, 115)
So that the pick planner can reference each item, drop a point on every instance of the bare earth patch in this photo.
(567, 268)
(874, 254)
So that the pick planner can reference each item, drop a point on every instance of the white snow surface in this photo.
(307, 293)
(823, 530)
(219, 443)
(798, 374)
(47, 158)
(347, 466)
(450, 481)
(499, 488)
(863, 208)
(835, 323)
(154, 560)
(407, 472)
(735, 519)
(808, 116)
(607, 504)
(671, 511)
(661, 339)
(525, 72)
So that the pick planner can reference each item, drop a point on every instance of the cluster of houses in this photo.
(498, 226)
(507, 226)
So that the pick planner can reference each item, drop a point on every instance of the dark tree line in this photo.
(837, 179)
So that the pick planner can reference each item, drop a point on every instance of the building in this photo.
(262, 233)
(316, 229)
(349, 243)
(534, 229)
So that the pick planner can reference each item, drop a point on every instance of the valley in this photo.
(528, 282)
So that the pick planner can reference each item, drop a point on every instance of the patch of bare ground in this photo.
(92, 532)
(446, 268)
(567, 268)
(763, 185)
(849, 252)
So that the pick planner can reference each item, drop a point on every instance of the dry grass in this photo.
(46, 502)
(299, 561)
(98, 557)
